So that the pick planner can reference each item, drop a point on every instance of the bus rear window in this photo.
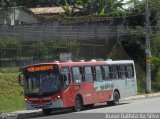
(129, 71)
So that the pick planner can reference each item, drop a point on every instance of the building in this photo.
(18, 16)
(49, 15)
(47, 11)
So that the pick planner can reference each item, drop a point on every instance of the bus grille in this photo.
(41, 105)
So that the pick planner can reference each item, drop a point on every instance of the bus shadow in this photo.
(40, 114)
(103, 106)
(62, 112)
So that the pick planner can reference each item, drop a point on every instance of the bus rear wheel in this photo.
(78, 104)
(47, 111)
(115, 100)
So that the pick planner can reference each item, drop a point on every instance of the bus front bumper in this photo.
(53, 104)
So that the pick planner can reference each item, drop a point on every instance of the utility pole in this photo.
(148, 49)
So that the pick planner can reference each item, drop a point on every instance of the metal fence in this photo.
(23, 45)
(58, 32)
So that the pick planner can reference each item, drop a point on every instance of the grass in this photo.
(11, 96)
(9, 70)
(141, 87)
(155, 86)
(140, 79)
(141, 82)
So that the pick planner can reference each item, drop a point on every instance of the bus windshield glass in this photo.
(40, 82)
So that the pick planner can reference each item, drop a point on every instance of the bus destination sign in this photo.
(40, 68)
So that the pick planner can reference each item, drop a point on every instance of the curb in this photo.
(28, 113)
(21, 114)
(144, 96)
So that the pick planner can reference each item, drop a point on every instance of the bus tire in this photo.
(115, 100)
(47, 111)
(78, 104)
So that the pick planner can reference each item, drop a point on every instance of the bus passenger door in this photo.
(66, 95)
(88, 85)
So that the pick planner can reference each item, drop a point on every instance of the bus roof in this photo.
(93, 62)
(120, 62)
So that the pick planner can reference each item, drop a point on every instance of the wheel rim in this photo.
(116, 98)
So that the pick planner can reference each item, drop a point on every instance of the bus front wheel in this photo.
(78, 104)
(115, 100)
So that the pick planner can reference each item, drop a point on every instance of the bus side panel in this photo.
(120, 85)
(77, 90)
(104, 96)
(67, 98)
(89, 94)
(104, 90)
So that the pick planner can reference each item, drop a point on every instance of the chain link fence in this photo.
(23, 45)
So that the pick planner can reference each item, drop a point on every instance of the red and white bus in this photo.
(77, 84)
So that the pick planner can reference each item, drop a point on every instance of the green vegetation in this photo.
(9, 70)
(85, 7)
(11, 96)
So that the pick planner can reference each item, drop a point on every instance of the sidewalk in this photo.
(28, 113)
(143, 96)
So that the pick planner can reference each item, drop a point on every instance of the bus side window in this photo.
(114, 71)
(106, 72)
(88, 74)
(77, 76)
(98, 72)
(129, 70)
(111, 73)
(122, 71)
(65, 77)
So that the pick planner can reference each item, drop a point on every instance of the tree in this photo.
(97, 7)
(136, 17)
(155, 44)
(4, 4)
(67, 8)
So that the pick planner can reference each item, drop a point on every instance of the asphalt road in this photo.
(150, 105)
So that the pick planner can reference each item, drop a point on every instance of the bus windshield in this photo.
(41, 82)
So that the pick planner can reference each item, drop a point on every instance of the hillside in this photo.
(11, 96)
